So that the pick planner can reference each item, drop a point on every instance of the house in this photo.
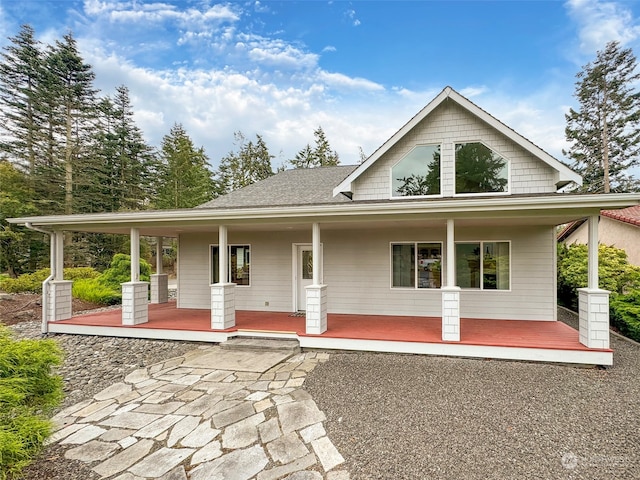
(620, 228)
(441, 242)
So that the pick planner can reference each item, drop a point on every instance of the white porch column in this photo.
(159, 281)
(60, 297)
(135, 294)
(316, 310)
(223, 299)
(450, 292)
(593, 302)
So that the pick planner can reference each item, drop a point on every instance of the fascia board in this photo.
(458, 207)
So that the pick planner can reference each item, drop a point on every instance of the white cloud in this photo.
(340, 81)
(351, 16)
(600, 22)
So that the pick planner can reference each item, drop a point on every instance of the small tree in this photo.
(250, 164)
(605, 131)
(320, 156)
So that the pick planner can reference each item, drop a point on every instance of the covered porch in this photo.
(480, 338)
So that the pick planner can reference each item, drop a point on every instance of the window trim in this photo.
(438, 195)
(415, 244)
(482, 289)
(211, 245)
(456, 194)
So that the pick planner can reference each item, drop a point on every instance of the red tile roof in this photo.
(628, 215)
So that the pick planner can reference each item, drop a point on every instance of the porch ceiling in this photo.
(467, 212)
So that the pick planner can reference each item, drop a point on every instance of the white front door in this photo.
(304, 274)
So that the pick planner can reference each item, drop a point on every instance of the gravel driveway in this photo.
(418, 417)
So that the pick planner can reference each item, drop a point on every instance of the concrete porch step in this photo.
(262, 344)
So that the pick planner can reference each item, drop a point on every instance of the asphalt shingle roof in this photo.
(303, 186)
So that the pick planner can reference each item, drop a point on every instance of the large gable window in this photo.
(416, 265)
(239, 264)
(483, 265)
(418, 173)
(480, 170)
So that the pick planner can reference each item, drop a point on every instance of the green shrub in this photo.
(91, 290)
(615, 273)
(624, 314)
(120, 272)
(32, 282)
(28, 393)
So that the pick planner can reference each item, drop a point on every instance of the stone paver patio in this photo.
(197, 417)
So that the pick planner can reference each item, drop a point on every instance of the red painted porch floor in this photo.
(503, 333)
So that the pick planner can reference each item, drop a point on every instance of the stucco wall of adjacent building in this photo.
(612, 232)
(357, 270)
(447, 125)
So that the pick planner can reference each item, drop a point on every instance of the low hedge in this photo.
(624, 314)
(32, 282)
(28, 394)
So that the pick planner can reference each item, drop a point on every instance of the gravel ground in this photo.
(414, 417)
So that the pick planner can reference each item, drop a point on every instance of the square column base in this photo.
(135, 303)
(60, 300)
(450, 314)
(593, 311)
(316, 314)
(159, 288)
(223, 306)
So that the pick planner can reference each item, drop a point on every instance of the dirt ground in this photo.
(24, 307)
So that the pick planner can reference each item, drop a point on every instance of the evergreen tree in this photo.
(320, 156)
(72, 84)
(185, 179)
(325, 157)
(125, 164)
(20, 72)
(304, 158)
(250, 164)
(604, 132)
(15, 241)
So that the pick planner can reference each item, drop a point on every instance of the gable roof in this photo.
(630, 215)
(300, 186)
(566, 175)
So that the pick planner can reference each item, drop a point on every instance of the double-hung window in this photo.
(416, 265)
(483, 265)
(239, 264)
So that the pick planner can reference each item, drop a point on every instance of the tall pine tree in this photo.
(185, 180)
(20, 74)
(605, 131)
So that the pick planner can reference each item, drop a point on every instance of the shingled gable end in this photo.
(441, 242)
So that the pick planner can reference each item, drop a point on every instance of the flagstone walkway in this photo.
(210, 414)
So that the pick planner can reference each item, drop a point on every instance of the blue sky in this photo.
(360, 69)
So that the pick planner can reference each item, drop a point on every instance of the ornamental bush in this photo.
(624, 314)
(28, 394)
(616, 274)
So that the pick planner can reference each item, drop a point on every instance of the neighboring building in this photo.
(448, 228)
(619, 228)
